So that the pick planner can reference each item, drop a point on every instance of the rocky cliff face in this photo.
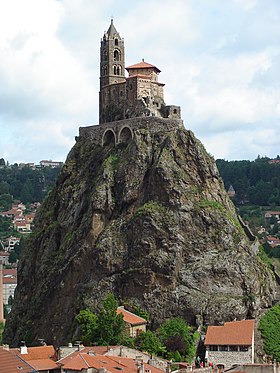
(149, 220)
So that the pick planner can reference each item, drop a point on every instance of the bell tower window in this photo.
(116, 42)
(116, 55)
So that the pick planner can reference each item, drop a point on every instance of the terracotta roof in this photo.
(9, 272)
(143, 65)
(130, 317)
(35, 353)
(113, 364)
(4, 253)
(100, 350)
(11, 363)
(10, 280)
(231, 333)
(43, 364)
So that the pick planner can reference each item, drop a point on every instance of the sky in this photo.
(219, 60)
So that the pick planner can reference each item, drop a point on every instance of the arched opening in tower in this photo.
(109, 138)
(125, 135)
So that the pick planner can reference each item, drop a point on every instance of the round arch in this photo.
(109, 137)
(125, 134)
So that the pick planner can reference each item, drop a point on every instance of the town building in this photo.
(134, 324)
(4, 257)
(1, 293)
(232, 343)
(50, 163)
(88, 361)
(231, 191)
(9, 283)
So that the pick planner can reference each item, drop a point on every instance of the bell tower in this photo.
(112, 66)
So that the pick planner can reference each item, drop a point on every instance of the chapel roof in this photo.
(130, 317)
(142, 65)
(236, 333)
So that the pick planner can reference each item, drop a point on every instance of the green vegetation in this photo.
(270, 330)
(255, 182)
(153, 208)
(173, 340)
(149, 342)
(211, 204)
(176, 336)
(113, 160)
(25, 184)
(104, 328)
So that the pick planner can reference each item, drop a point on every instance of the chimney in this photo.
(141, 368)
(1, 294)
(23, 348)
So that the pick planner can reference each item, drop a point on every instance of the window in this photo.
(213, 348)
(233, 348)
(223, 348)
(243, 348)
(116, 42)
(116, 55)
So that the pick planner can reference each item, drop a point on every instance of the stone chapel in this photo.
(138, 95)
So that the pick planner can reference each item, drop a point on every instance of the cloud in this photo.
(219, 60)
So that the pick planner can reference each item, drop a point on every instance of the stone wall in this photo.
(228, 358)
(153, 124)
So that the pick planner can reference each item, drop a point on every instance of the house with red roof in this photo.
(9, 283)
(134, 324)
(29, 360)
(11, 363)
(232, 343)
(88, 362)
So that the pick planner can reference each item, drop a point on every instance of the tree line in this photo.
(255, 182)
(25, 184)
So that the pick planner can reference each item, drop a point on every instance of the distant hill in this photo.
(255, 182)
(25, 184)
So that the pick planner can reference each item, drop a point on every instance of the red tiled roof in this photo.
(9, 272)
(100, 350)
(11, 363)
(35, 353)
(142, 65)
(4, 253)
(10, 280)
(43, 364)
(113, 364)
(231, 333)
(130, 317)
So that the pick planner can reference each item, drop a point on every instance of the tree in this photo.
(12, 257)
(88, 324)
(104, 328)
(175, 334)
(149, 342)
(270, 330)
(110, 325)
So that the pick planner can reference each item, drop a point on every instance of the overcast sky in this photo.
(220, 61)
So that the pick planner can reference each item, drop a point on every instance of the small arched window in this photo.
(116, 55)
(115, 70)
(116, 42)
